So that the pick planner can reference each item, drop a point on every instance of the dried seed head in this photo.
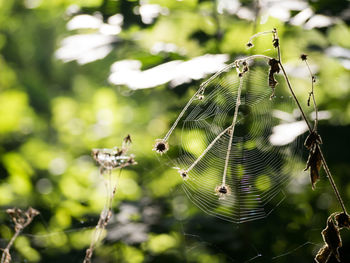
(161, 146)
(303, 57)
(250, 44)
(200, 97)
(183, 173)
(222, 191)
(110, 159)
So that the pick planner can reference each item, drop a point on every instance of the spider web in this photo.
(257, 170)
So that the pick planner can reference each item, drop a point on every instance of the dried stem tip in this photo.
(184, 174)
(249, 45)
(222, 191)
(303, 57)
(114, 158)
(20, 218)
(161, 146)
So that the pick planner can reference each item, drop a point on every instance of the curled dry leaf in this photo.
(331, 237)
(323, 254)
(274, 68)
(314, 162)
(342, 220)
(312, 140)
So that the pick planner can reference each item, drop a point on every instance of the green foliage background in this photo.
(51, 114)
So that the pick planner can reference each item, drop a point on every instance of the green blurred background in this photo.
(58, 100)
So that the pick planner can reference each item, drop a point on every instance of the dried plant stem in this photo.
(313, 95)
(331, 180)
(21, 220)
(105, 216)
(294, 96)
(234, 121)
(207, 149)
(6, 257)
(324, 163)
(259, 34)
(166, 137)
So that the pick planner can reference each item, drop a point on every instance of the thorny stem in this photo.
(324, 163)
(238, 102)
(313, 95)
(207, 149)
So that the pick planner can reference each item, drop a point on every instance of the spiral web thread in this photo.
(256, 170)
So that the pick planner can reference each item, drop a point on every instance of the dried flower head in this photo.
(161, 146)
(21, 218)
(250, 44)
(200, 97)
(183, 173)
(114, 158)
(303, 57)
(222, 191)
(275, 42)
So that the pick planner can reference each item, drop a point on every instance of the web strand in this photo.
(228, 139)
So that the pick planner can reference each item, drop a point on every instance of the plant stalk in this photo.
(324, 163)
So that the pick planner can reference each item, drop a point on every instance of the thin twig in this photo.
(312, 95)
(105, 216)
(234, 121)
(324, 163)
(108, 159)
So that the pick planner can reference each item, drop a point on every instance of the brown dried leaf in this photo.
(342, 220)
(323, 254)
(331, 237)
(312, 140)
(274, 68)
(314, 162)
